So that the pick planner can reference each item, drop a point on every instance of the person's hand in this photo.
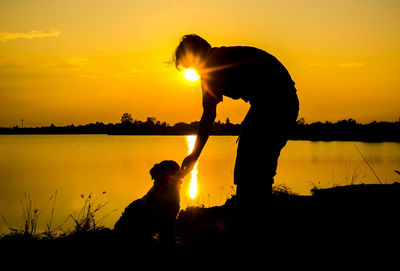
(188, 164)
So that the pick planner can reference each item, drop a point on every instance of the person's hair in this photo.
(160, 172)
(190, 43)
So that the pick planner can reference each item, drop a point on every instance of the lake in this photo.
(76, 165)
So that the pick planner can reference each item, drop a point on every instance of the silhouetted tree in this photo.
(126, 118)
(151, 120)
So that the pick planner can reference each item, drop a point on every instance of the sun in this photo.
(191, 75)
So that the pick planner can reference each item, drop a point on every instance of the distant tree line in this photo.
(345, 130)
(129, 126)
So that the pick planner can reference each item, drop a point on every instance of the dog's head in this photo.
(167, 173)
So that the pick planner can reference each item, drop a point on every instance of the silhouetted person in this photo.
(156, 212)
(256, 77)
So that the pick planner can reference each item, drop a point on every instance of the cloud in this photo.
(317, 64)
(352, 64)
(33, 34)
(67, 62)
(77, 61)
(343, 65)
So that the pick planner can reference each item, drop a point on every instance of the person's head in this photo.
(166, 172)
(191, 51)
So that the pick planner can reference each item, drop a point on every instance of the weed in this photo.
(85, 219)
(366, 161)
(31, 216)
(282, 190)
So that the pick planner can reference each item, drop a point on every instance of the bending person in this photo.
(254, 76)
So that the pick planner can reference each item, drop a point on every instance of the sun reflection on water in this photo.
(193, 178)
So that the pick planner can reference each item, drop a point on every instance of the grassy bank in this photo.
(356, 223)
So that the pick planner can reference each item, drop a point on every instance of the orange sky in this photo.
(77, 62)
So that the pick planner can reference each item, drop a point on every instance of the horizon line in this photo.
(299, 120)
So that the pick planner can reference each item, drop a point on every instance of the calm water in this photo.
(81, 164)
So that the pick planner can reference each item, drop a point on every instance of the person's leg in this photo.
(244, 164)
(255, 168)
(256, 160)
(254, 189)
(263, 135)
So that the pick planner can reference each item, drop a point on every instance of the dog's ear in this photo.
(156, 172)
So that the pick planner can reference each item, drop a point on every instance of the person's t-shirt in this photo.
(244, 72)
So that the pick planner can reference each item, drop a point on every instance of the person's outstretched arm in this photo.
(206, 124)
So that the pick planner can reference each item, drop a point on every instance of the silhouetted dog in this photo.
(156, 212)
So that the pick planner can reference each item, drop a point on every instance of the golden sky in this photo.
(81, 61)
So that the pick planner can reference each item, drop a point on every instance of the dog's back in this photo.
(156, 212)
(130, 218)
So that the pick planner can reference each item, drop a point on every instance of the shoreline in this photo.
(367, 139)
(343, 130)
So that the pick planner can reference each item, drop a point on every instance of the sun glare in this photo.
(191, 75)
(191, 140)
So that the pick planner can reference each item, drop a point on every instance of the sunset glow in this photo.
(78, 62)
(193, 177)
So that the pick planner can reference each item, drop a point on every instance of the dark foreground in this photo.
(356, 225)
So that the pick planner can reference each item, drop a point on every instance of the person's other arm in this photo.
(206, 124)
